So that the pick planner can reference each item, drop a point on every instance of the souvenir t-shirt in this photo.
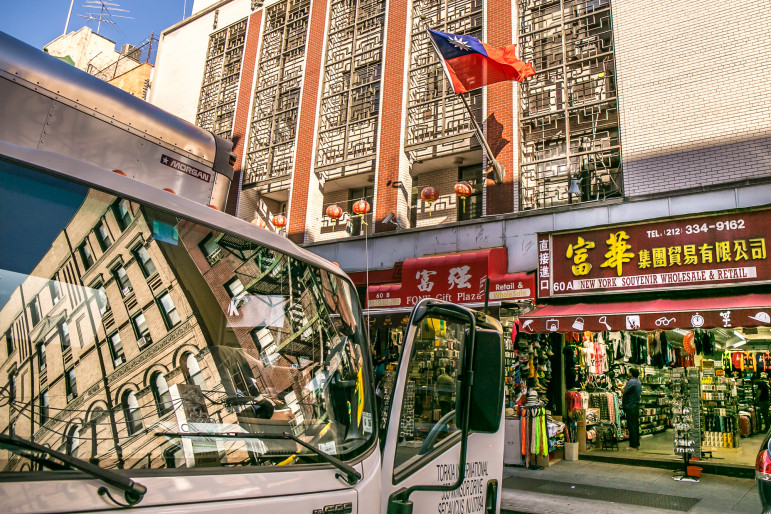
(737, 361)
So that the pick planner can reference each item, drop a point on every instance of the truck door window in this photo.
(428, 407)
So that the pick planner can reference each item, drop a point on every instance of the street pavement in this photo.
(599, 487)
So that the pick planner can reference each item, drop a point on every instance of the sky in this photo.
(38, 22)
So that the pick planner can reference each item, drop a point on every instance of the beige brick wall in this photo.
(694, 92)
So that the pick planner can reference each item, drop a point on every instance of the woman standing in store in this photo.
(631, 405)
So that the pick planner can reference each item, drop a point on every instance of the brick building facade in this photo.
(339, 101)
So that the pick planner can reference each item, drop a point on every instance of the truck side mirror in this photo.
(486, 405)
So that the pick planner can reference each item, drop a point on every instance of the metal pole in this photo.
(67, 23)
(497, 167)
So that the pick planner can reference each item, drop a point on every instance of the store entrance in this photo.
(703, 394)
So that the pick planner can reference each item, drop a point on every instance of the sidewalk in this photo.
(599, 487)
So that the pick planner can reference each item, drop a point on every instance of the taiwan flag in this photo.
(471, 64)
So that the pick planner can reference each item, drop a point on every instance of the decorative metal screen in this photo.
(569, 121)
(351, 95)
(221, 75)
(270, 152)
(437, 121)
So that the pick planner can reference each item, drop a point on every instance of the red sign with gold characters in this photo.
(684, 253)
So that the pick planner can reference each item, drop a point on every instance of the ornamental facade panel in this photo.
(222, 73)
(571, 150)
(270, 150)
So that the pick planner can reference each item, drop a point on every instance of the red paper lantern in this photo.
(279, 221)
(361, 208)
(334, 212)
(429, 194)
(257, 222)
(463, 190)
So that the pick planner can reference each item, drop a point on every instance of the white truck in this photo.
(158, 354)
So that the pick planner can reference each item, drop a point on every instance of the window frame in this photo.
(116, 354)
(131, 415)
(139, 335)
(42, 359)
(55, 289)
(86, 254)
(64, 334)
(103, 235)
(70, 384)
(143, 264)
(162, 397)
(44, 406)
(167, 319)
(35, 313)
(121, 218)
(125, 290)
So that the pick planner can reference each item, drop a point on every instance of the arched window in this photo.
(193, 374)
(94, 426)
(72, 441)
(131, 412)
(161, 393)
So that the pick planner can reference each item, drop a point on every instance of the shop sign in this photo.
(457, 278)
(724, 250)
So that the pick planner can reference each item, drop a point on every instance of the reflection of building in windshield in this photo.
(283, 316)
(135, 323)
(97, 339)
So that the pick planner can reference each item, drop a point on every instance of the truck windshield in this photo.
(120, 323)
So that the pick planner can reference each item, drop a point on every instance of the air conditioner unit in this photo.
(126, 290)
(70, 397)
(143, 341)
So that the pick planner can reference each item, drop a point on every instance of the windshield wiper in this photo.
(351, 475)
(133, 491)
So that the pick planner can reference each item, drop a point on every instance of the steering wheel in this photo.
(444, 422)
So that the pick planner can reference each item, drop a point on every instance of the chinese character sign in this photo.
(669, 254)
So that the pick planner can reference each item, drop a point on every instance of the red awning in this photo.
(750, 310)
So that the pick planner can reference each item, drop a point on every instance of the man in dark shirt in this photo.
(764, 402)
(631, 405)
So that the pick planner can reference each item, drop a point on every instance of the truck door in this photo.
(432, 400)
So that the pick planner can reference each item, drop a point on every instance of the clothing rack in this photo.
(535, 438)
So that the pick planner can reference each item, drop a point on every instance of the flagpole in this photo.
(498, 169)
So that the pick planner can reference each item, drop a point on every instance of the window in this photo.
(355, 225)
(428, 407)
(73, 440)
(70, 384)
(141, 330)
(234, 287)
(145, 263)
(122, 279)
(170, 314)
(192, 370)
(122, 211)
(44, 406)
(471, 207)
(12, 385)
(86, 255)
(55, 289)
(211, 249)
(101, 298)
(41, 356)
(9, 341)
(34, 311)
(103, 236)
(64, 334)
(161, 393)
(131, 412)
(116, 350)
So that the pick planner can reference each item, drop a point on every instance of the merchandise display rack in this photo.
(686, 416)
(654, 401)
(720, 410)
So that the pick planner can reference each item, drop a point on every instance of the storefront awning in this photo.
(750, 310)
